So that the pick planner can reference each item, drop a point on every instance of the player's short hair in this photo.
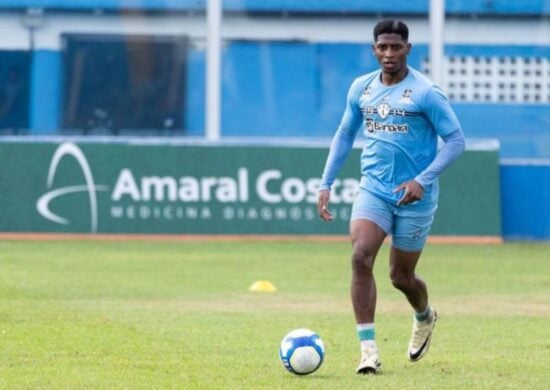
(391, 26)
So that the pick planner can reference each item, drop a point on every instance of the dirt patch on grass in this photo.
(276, 302)
(16, 236)
(485, 305)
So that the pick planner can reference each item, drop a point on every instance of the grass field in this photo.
(153, 315)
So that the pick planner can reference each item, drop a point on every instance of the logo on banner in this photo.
(43, 204)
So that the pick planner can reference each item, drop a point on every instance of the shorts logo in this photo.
(43, 203)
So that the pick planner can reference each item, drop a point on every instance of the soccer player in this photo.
(401, 114)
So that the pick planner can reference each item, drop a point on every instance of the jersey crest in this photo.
(383, 109)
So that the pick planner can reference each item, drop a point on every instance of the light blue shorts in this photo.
(409, 229)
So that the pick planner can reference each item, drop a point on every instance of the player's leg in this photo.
(404, 278)
(409, 237)
(366, 237)
(370, 221)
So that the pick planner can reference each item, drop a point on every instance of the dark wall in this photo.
(14, 91)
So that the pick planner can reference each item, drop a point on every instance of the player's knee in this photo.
(400, 280)
(362, 258)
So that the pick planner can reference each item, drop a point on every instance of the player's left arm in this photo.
(453, 147)
(444, 121)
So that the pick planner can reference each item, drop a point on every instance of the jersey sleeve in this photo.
(453, 147)
(437, 109)
(343, 139)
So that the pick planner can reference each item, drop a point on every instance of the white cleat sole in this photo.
(369, 369)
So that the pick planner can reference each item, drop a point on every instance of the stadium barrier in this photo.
(531, 7)
(197, 188)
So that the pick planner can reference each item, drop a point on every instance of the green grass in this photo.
(143, 315)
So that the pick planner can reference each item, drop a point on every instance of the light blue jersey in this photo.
(401, 124)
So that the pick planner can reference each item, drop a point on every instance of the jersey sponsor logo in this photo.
(371, 125)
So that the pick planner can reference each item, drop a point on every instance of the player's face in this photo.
(391, 51)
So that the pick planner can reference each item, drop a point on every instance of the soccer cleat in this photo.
(370, 361)
(421, 337)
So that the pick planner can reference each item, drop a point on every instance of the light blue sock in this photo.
(424, 316)
(365, 331)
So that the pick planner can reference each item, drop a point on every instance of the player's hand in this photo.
(322, 205)
(413, 192)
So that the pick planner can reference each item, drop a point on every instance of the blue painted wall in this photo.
(525, 197)
(523, 130)
(287, 88)
(299, 89)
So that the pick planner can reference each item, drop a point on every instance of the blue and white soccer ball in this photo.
(302, 351)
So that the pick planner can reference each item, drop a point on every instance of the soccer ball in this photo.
(302, 351)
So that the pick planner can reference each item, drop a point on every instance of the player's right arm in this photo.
(341, 145)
